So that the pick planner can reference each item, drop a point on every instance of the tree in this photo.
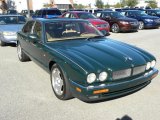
(107, 6)
(118, 5)
(78, 6)
(129, 3)
(3, 6)
(99, 4)
(152, 4)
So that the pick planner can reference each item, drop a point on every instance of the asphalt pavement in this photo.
(26, 93)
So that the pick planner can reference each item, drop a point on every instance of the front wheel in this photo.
(21, 55)
(115, 28)
(141, 25)
(59, 83)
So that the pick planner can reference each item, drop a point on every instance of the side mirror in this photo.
(107, 17)
(107, 34)
(33, 37)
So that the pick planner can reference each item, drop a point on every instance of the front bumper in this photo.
(9, 39)
(129, 27)
(151, 24)
(116, 89)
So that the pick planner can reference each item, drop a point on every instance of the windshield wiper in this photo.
(94, 37)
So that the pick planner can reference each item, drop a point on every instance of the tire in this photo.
(115, 28)
(21, 55)
(141, 25)
(2, 43)
(60, 83)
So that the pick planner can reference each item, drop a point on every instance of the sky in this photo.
(86, 2)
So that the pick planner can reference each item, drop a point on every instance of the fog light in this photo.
(100, 91)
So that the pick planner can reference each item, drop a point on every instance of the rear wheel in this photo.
(59, 83)
(21, 55)
(141, 25)
(115, 28)
(2, 43)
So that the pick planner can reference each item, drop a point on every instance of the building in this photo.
(20, 5)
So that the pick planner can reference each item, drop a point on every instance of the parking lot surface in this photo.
(26, 93)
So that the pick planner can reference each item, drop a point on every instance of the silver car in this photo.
(9, 26)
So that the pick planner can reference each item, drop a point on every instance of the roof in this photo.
(60, 19)
(1, 15)
(78, 12)
(106, 11)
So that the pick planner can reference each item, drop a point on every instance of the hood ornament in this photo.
(128, 59)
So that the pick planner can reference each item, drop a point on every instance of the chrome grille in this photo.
(157, 20)
(138, 70)
(121, 74)
(133, 23)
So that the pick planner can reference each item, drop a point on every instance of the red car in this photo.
(101, 25)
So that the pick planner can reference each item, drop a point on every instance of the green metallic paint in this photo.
(79, 57)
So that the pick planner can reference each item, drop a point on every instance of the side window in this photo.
(67, 15)
(98, 14)
(72, 16)
(28, 27)
(38, 30)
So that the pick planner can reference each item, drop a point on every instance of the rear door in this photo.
(23, 36)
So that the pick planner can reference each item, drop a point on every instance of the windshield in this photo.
(12, 12)
(12, 20)
(70, 30)
(86, 16)
(116, 14)
(140, 13)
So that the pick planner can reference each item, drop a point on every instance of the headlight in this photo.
(124, 22)
(149, 20)
(91, 78)
(102, 25)
(9, 33)
(103, 76)
(148, 66)
(153, 63)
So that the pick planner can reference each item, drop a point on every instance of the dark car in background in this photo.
(118, 22)
(12, 12)
(145, 20)
(25, 13)
(82, 62)
(101, 25)
(47, 13)
(153, 12)
(9, 26)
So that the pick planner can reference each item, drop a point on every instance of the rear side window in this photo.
(66, 15)
(38, 30)
(28, 27)
(53, 12)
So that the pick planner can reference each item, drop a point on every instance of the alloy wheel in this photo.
(57, 81)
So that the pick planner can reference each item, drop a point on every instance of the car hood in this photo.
(149, 17)
(127, 19)
(12, 28)
(101, 54)
(97, 21)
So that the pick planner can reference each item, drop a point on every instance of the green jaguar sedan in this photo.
(82, 62)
